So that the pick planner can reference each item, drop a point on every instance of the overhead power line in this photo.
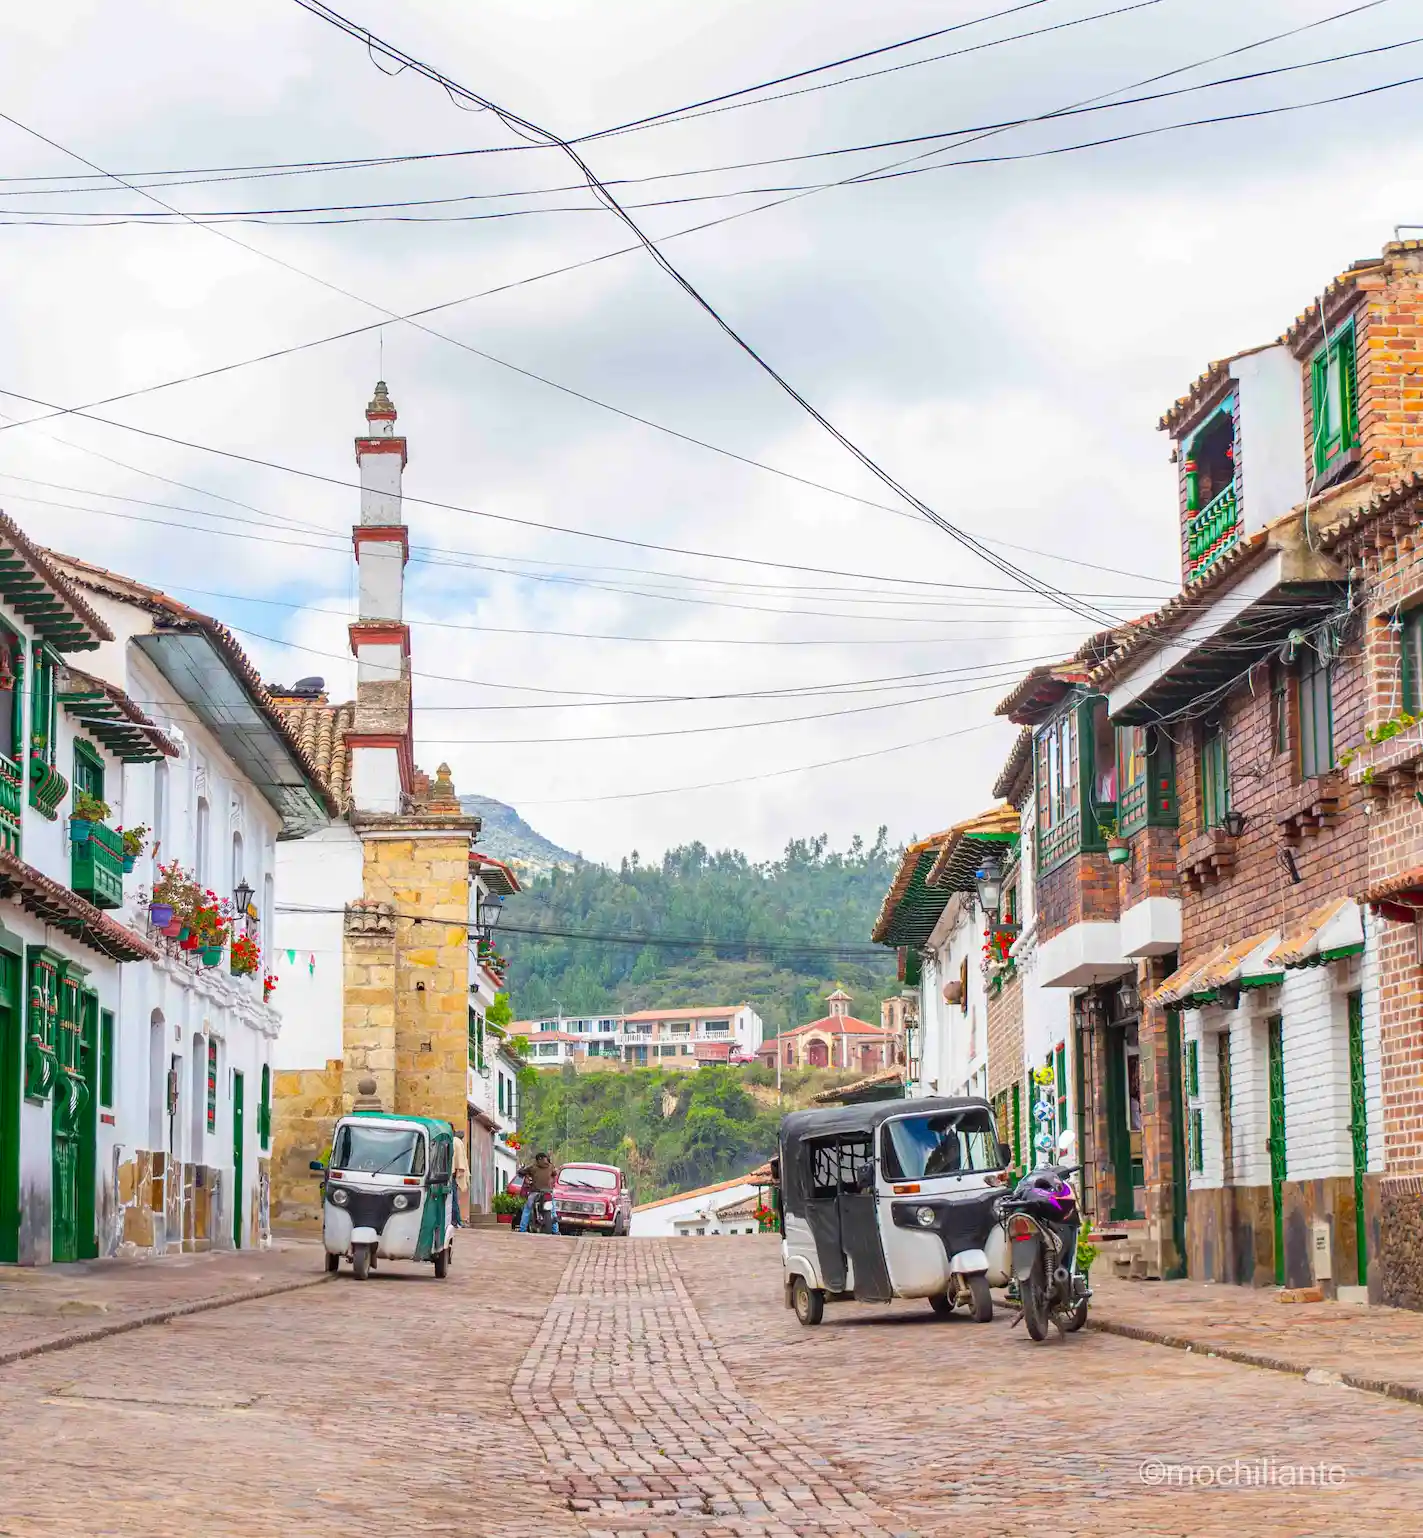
(260, 215)
(524, 128)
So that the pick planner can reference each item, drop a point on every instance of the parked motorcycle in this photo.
(1042, 1220)
(541, 1219)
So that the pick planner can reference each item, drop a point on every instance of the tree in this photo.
(501, 1011)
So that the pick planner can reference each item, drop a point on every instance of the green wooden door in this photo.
(1276, 1143)
(237, 1139)
(1119, 1126)
(11, 1074)
(86, 1128)
(72, 1123)
(1176, 1097)
(1358, 1127)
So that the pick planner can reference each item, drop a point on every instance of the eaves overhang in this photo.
(190, 659)
(911, 907)
(1215, 631)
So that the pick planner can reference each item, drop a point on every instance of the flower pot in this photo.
(507, 1218)
(80, 830)
(130, 860)
(212, 954)
(187, 939)
(1118, 851)
(160, 915)
(173, 929)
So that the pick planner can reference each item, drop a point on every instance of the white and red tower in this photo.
(382, 761)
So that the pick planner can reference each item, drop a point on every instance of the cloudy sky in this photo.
(1000, 335)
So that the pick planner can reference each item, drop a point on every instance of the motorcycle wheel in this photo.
(361, 1262)
(809, 1302)
(942, 1304)
(982, 1299)
(1076, 1317)
(1035, 1309)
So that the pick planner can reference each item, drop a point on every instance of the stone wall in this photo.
(305, 1105)
(154, 1205)
(1400, 1256)
(422, 872)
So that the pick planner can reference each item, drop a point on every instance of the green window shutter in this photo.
(1412, 663)
(88, 771)
(264, 1109)
(106, 1058)
(1197, 1153)
(1060, 1075)
(1193, 1068)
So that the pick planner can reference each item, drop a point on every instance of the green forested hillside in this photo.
(670, 1132)
(812, 894)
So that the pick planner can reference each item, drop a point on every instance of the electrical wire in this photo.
(257, 215)
(524, 128)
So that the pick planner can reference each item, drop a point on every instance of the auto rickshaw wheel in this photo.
(942, 1304)
(982, 1299)
(808, 1301)
(442, 1262)
(333, 1264)
(361, 1261)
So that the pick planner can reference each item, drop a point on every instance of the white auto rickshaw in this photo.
(893, 1199)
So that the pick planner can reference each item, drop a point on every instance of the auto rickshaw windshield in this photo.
(949, 1143)
(367, 1148)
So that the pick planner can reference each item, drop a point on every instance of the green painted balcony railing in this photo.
(1213, 531)
(12, 795)
(48, 787)
(96, 870)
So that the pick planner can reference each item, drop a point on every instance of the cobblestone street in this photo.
(575, 1389)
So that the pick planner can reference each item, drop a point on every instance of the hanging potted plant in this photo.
(245, 959)
(173, 894)
(1118, 848)
(87, 811)
(269, 986)
(210, 924)
(135, 841)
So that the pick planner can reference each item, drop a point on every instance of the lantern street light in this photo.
(242, 898)
(989, 881)
(489, 912)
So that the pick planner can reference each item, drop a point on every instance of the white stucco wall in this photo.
(697, 1207)
(380, 487)
(375, 779)
(1271, 430)
(381, 578)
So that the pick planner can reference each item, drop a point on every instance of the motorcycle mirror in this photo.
(1065, 1142)
(318, 1166)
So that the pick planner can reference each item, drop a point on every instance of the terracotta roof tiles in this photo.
(320, 731)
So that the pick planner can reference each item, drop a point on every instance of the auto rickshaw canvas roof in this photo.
(800, 1125)
(431, 1124)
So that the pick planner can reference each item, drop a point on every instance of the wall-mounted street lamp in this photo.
(242, 898)
(1234, 823)
(989, 881)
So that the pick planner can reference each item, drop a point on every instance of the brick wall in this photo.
(1394, 585)
(1151, 872)
(1386, 305)
(1258, 894)
(1081, 890)
(1005, 1035)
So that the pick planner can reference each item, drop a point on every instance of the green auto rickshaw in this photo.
(387, 1192)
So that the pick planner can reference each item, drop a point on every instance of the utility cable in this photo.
(523, 128)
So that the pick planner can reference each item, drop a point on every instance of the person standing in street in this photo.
(461, 1174)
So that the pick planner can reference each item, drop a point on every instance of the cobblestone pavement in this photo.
(1378, 1345)
(555, 1388)
(43, 1305)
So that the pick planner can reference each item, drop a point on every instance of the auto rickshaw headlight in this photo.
(400, 1201)
(340, 1197)
(925, 1217)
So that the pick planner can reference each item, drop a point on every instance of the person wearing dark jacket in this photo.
(538, 1179)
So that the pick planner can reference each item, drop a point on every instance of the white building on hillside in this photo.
(729, 1207)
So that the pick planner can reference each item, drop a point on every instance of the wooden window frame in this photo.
(107, 1046)
(1333, 440)
(88, 770)
(1213, 769)
(1313, 675)
(1410, 662)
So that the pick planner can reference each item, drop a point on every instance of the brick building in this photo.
(1260, 675)
(1379, 545)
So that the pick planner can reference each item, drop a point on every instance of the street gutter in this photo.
(1387, 1387)
(96, 1332)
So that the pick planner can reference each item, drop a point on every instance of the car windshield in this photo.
(371, 1149)
(943, 1143)
(592, 1180)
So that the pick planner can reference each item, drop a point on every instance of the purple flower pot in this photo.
(160, 915)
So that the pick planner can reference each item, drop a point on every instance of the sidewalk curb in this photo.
(158, 1316)
(1410, 1392)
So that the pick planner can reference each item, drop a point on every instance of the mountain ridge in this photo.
(506, 836)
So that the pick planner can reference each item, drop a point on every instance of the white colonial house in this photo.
(729, 1207)
(135, 1073)
(493, 1064)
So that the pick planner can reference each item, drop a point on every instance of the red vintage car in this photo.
(593, 1198)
